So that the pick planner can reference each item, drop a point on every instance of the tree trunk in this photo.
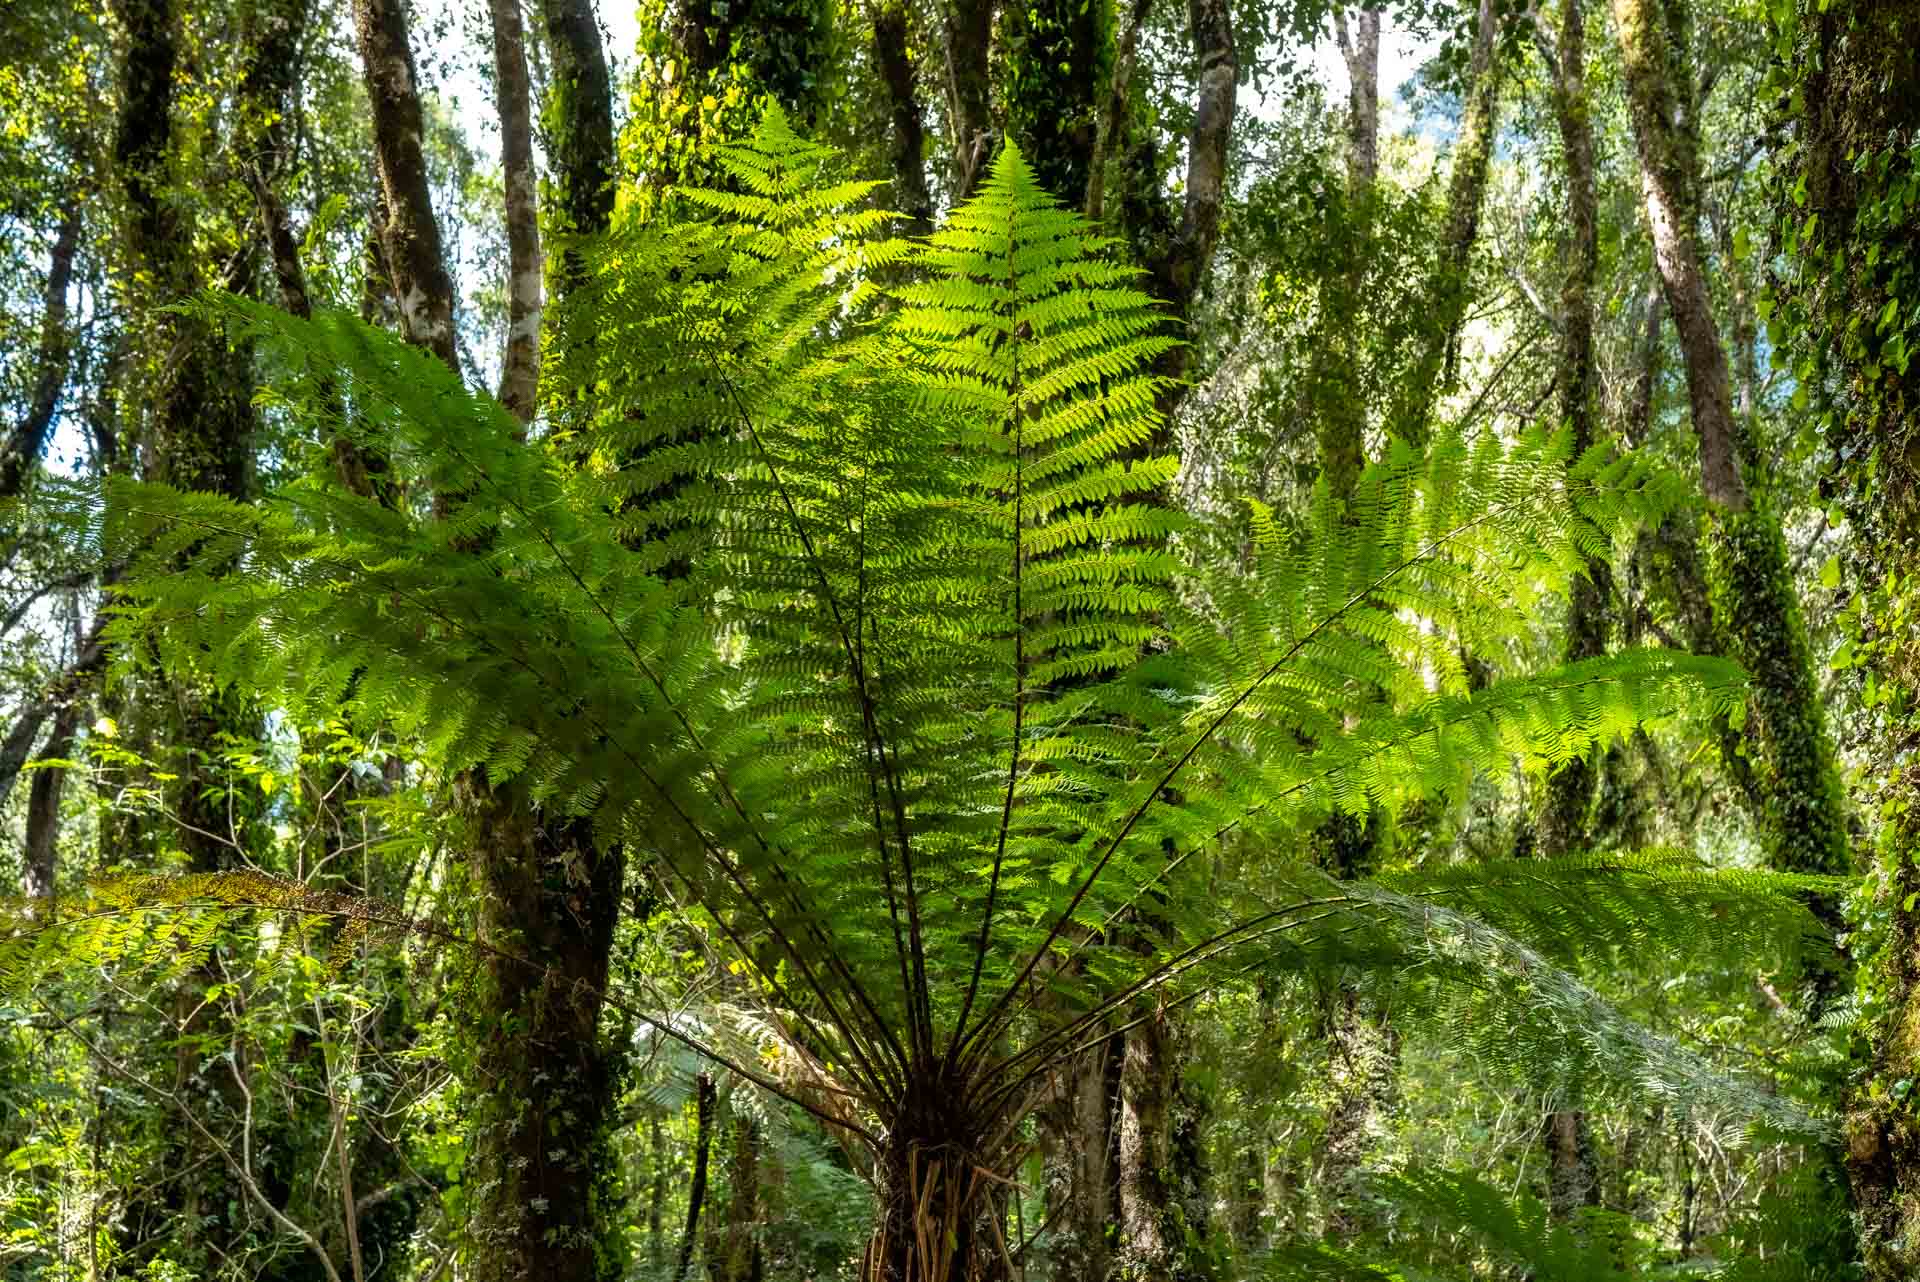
(739, 1257)
(1116, 122)
(1565, 825)
(192, 393)
(1854, 121)
(1056, 51)
(705, 1102)
(520, 368)
(1179, 272)
(415, 262)
(43, 811)
(1335, 393)
(966, 36)
(1080, 1163)
(579, 129)
(1755, 606)
(1446, 289)
(907, 135)
(1360, 50)
(1667, 140)
(29, 437)
(656, 1194)
(1570, 791)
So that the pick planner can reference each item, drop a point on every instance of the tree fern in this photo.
(840, 601)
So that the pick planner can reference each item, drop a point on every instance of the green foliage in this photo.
(866, 623)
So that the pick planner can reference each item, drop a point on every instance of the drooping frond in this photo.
(1449, 1222)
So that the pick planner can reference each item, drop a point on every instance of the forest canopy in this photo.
(948, 643)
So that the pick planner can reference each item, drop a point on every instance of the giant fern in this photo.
(842, 602)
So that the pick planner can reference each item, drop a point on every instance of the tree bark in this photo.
(1570, 791)
(1755, 605)
(1210, 30)
(1055, 51)
(43, 812)
(579, 130)
(705, 1101)
(1335, 393)
(1117, 120)
(1447, 286)
(1080, 1163)
(191, 395)
(967, 39)
(29, 437)
(520, 368)
(1360, 50)
(549, 896)
(415, 262)
(1565, 826)
(907, 136)
(1851, 127)
(739, 1258)
(1667, 140)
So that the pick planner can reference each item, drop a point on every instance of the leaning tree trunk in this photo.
(28, 439)
(1445, 301)
(549, 894)
(1755, 607)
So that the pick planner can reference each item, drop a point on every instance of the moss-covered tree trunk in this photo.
(195, 432)
(1446, 290)
(1566, 821)
(1755, 607)
(549, 893)
(1856, 117)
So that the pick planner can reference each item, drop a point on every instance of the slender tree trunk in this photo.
(705, 1102)
(1755, 606)
(1565, 824)
(520, 370)
(907, 135)
(29, 437)
(1360, 50)
(1447, 287)
(1334, 390)
(1116, 121)
(579, 128)
(966, 35)
(1571, 790)
(656, 1194)
(1180, 271)
(415, 262)
(43, 811)
(1668, 144)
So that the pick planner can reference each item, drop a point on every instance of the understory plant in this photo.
(841, 590)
